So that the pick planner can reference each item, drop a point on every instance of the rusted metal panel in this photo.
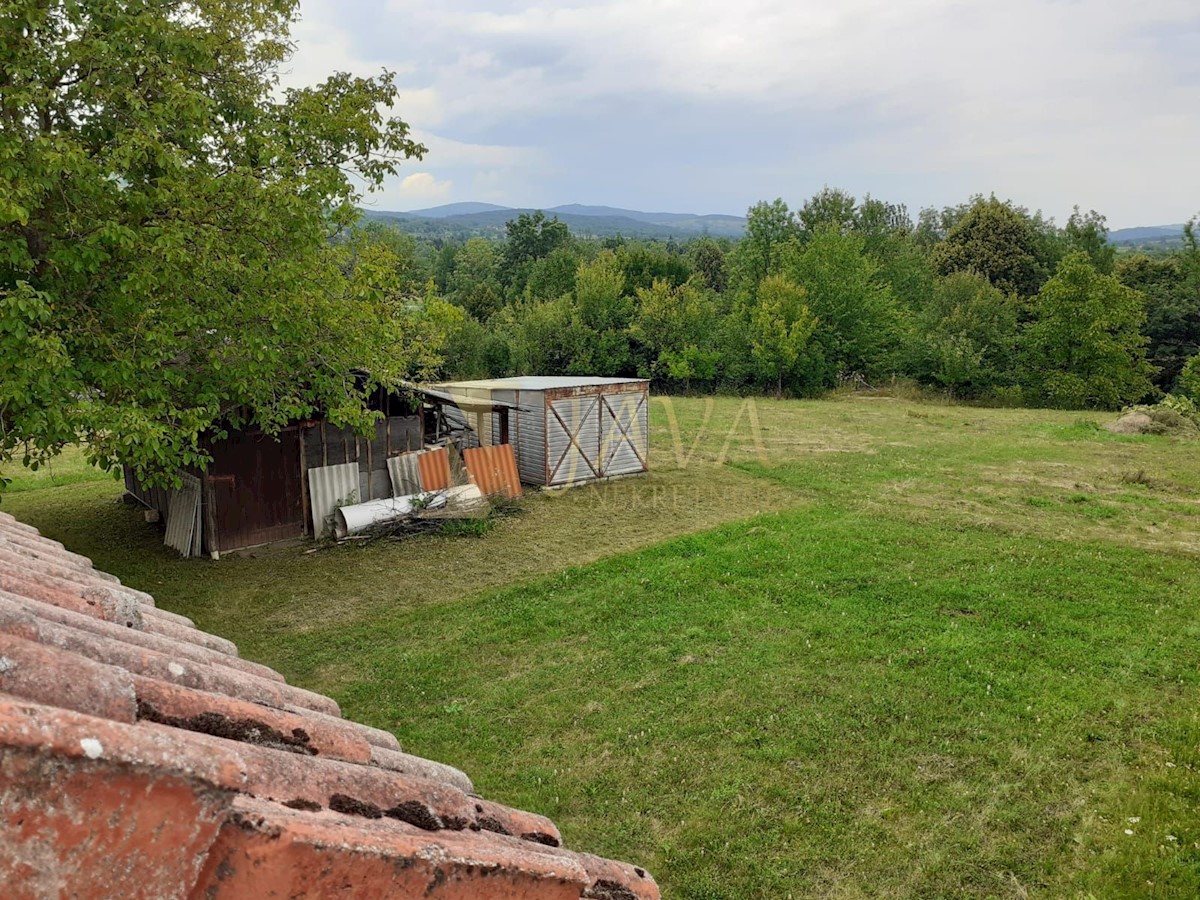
(328, 488)
(434, 466)
(494, 470)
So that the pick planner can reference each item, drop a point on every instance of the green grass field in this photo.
(849, 648)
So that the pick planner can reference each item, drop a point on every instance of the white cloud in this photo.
(422, 186)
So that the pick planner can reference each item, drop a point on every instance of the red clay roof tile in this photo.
(150, 641)
(216, 778)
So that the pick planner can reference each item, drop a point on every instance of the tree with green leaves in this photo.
(1088, 232)
(1189, 379)
(966, 335)
(708, 261)
(1084, 347)
(780, 327)
(474, 283)
(648, 261)
(602, 314)
(770, 229)
(1172, 311)
(859, 319)
(828, 208)
(1004, 244)
(675, 329)
(165, 215)
(530, 237)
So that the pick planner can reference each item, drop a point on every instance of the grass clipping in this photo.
(1174, 415)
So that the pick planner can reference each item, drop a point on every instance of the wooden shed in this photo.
(257, 488)
(564, 429)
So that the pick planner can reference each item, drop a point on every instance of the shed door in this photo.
(255, 489)
(624, 420)
(573, 439)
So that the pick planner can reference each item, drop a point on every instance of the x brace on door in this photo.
(573, 440)
(624, 436)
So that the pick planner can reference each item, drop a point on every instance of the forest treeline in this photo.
(984, 300)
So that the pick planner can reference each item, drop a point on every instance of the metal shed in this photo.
(566, 429)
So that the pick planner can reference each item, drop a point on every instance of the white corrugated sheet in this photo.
(328, 488)
(183, 517)
(406, 477)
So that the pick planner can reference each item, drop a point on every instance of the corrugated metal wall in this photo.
(528, 434)
(624, 433)
(611, 432)
(573, 439)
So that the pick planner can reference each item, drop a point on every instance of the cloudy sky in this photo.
(698, 106)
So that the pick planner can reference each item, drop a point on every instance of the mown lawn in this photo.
(876, 648)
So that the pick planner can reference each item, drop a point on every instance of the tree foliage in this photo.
(858, 321)
(530, 237)
(1001, 243)
(779, 329)
(1085, 346)
(966, 336)
(675, 328)
(165, 214)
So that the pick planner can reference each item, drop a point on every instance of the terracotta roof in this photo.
(140, 756)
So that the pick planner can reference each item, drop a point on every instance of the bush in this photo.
(1189, 379)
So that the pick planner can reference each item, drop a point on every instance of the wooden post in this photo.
(304, 512)
(210, 520)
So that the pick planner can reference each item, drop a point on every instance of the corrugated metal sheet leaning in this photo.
(405, 475)
(328, 488)
(494, 470)
(434, 467)
(207, 775)
(183, 517)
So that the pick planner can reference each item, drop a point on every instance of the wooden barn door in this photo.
(255, 489)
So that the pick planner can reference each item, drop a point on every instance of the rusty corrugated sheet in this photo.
(328, 488)
(434, 466)
(494, 470)
(405, 474)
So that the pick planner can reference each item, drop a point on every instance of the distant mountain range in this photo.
(598, 221)
(470, 219)
(1148, 235)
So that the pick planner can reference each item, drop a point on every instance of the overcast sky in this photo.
(697, 106)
